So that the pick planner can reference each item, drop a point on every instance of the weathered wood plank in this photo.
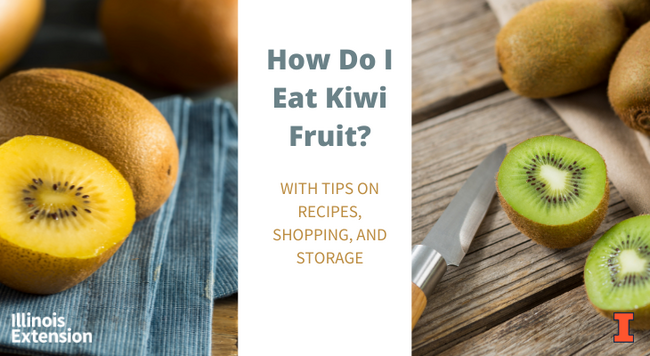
(504, 273)
(453, 55)
(225, 327)
(566, 325)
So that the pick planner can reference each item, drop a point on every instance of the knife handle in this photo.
(427, 269)
(418, 302)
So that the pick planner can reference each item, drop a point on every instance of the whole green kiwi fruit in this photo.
(556, 47)
(629, 82)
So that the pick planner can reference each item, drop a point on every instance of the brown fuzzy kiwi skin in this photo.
(18, 25)
(40, 273)
(629, 82)
(558, 236)
(636, 12)
(100, 115)
(181, 44)
(556, 47)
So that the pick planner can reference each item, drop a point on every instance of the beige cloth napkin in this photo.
(591, 118)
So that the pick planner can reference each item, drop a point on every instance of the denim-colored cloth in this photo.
(155, 295)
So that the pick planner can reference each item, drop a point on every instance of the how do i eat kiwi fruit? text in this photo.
(343, 97)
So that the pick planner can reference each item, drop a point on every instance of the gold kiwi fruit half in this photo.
(64, 211)
(100, 115)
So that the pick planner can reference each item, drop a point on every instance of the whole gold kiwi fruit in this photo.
(555, 47)
(185, 44)
(19, 21)
(100, 115)
(629, 82)
(636, 12)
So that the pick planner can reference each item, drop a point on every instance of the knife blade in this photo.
(450, 237)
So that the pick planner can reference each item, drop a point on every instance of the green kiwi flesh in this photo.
(554, 190)
(617, 272)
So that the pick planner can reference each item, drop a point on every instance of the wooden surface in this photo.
(509, 296)
(453, 55)
(578, 331)
(224, 327)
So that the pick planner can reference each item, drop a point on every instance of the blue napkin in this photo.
(155, 295)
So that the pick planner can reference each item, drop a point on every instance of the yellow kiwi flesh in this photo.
(555, 47)
(186, 44)
(64, 210)
(19, 21)
(629, 82)
(100, 115)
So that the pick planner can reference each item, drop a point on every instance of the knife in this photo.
(450, 237)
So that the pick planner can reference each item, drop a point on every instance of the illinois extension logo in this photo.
(623, 320)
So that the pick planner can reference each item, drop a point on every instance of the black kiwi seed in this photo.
(554, 198)
(35, 210)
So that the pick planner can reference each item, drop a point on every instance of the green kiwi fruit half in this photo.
(555, 47)
(554, 190)
(629, 82)
(617, 272)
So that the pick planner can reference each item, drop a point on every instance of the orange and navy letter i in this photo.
(623, 320)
